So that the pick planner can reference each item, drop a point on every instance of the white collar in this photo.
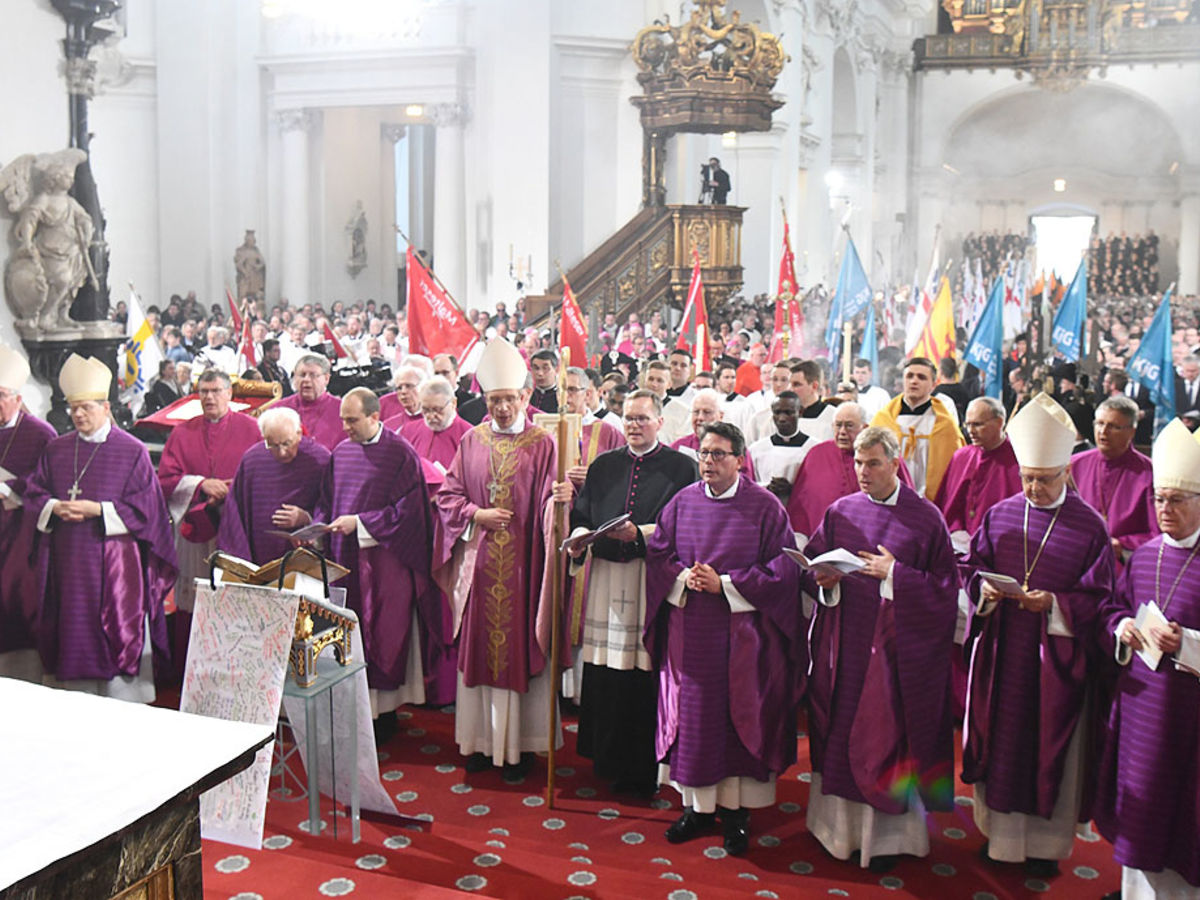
(788, 437)
(517, 426)
(378, 435)
(13, 421)
(1186, 544)
(99, 436)
(725, 496)
(588, 418)
(647, 452)
(890, 499)
(1054, 505)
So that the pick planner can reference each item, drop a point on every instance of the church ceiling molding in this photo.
(1120, 132)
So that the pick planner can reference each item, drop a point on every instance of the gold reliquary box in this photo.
(319, 624)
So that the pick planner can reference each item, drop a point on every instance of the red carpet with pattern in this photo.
(484, 837)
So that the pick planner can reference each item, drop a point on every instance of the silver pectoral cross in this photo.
(74, 492)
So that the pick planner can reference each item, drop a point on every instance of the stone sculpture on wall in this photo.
(51, 236)
(251, 269)
(356, 230)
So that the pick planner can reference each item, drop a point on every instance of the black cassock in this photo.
(618, 707)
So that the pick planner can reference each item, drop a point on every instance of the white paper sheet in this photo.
(237, 663)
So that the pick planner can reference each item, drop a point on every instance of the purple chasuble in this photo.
(880, 720)
(1122, 491)
(21, 447)
(1026, 688)
(383, 484)
(826, 475)
(96, 591)
(598, 437)
(210, 450)
(975, 481)
(1148, 797)
(261, 486)
(321, 419)
(728, 682)
(435, 446)
(501, 594)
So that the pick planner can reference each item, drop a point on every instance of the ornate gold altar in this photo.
(1059, 42)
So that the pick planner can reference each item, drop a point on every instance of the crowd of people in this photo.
(748, 543)
(1122, 266)
(994, 250)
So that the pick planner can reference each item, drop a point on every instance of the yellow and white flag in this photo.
(142, 353)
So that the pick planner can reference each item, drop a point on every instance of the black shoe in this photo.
(644, 790)
(514, 772)
(690, 825)
(385, 727)
(735, 826)
(478, 762)
(881, 864)
(1041, 868)
(983, 854)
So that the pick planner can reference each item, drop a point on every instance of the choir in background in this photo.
(1044, 601)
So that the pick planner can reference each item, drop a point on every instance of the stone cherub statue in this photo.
(251, 269)
(52, 235)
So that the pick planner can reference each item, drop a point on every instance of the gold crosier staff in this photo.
(556, 583)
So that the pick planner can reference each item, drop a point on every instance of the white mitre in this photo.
(84, 379)
(1042, 434)
(14, 369)
(1177, 459)
(501, 367)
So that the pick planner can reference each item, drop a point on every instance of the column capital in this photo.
(448, 114)
(297, 119)
(392, 132)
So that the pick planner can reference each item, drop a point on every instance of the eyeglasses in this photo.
(638, 420)
(715, 455)
(1111, 426)
(434, 410)
(973, 425)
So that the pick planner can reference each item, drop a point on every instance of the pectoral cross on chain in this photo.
(74, 492)
(493, 490)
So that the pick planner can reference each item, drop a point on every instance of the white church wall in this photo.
(35, 121)
(990, 148)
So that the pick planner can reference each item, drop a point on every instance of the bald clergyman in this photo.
(277, 488)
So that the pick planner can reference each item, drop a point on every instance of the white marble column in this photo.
(1189, 244)
(449, 198)
(294, 127)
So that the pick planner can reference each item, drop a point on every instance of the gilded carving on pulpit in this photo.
(356, 231)
(51, 234)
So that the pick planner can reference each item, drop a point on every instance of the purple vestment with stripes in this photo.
(727, 681)
(1148, 796)
(96, 591)
(1121, 490)
(21, 447)
(262, 485)
(880, 723)
(321, 419)
(383, 484)
(1026, 689)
